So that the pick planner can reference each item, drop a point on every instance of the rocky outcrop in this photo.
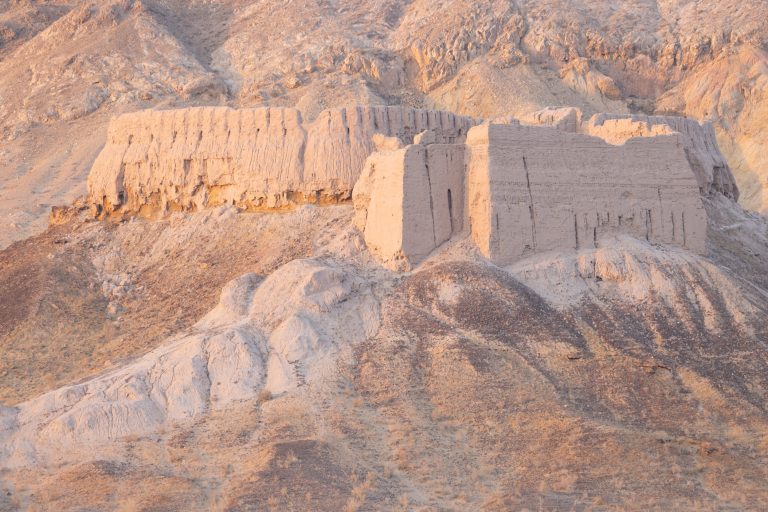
(264, 335)
(732, 91)
(264, 158)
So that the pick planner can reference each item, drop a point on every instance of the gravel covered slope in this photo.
(628, 376)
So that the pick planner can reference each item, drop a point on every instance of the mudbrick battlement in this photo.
(520, 190)
(262, 158)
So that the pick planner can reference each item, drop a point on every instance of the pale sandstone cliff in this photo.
(184, 159)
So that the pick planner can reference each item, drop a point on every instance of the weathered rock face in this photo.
(534, 189)
(156, 161)
(732, 91)
(269, 335)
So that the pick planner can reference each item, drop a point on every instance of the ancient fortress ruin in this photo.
(262, 158)
(418, 178)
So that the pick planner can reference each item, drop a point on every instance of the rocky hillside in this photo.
(67, 65)
(260, 361)
(160, 336)
(221, 358)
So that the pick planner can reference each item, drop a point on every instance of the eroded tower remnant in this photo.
(520, 189)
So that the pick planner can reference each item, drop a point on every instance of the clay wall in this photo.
(699, 140)
(533, 189)
(156, 161)
(410, 201)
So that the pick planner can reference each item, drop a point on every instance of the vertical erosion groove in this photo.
(576, 229)
(431, 202)
(683, 216)
(530, 207)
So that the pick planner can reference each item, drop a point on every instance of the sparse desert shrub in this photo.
(265, 395)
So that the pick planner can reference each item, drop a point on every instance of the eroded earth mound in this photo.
(630, 375)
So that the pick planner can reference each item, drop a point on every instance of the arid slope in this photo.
(628, 376)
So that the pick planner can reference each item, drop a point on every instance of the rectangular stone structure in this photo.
(532, 189)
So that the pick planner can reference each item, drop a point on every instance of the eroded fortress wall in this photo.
(410, 201)
(699, 140)
(156, 161)
(533, 189)
(421, 177)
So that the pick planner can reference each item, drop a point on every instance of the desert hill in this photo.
(630, 375)
(221, 358)
(357, 255)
